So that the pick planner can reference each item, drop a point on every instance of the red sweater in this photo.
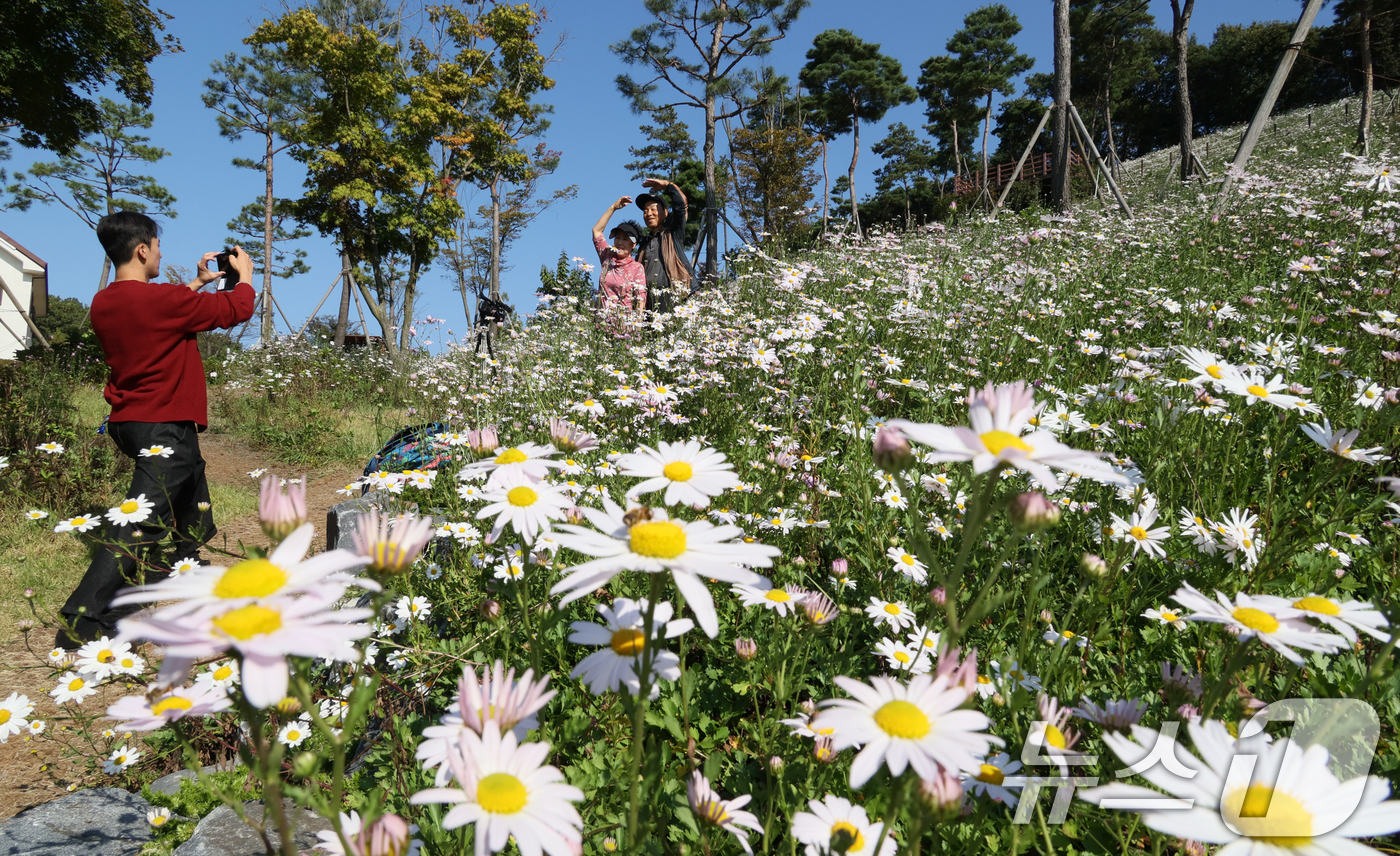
(147, 334)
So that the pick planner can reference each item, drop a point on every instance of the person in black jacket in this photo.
(662, 249)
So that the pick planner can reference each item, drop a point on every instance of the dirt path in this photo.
(35, 770)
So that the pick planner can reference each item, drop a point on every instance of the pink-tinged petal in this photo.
(264, 680)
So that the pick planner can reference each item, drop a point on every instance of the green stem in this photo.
(1217, 691)
(639, 708)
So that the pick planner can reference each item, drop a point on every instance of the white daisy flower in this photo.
(223, 674)
(36, 514)
(50, 448)
(651, 542)
(74, 687)
(14, 715)
(121, 758)
(896, 614)
(1138, 531)
(920, 725)
(101, 659)
(617, 664)
(528, 459)
(998, 415)
(295, 732)
(907, 565)
(995, 778)
(690, 472)
(902, 657)
(1010, 675)
(782, 600)
(1306, 811)
(131, 511)
(1342, 442)
(157, 451)
(725, 814)
(1278, 628)
(1345, 617)
(1166, 616)
(507, 790)
(837, 819)
(81, 523)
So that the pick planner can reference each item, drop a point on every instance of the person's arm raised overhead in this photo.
(602, 223)
(678, 210)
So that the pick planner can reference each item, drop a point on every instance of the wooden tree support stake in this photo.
(1266, 106)
(1112, 185)
(1045, 117)
(312, 316)
(25, 315)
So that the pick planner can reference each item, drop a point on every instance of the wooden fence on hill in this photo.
(1037, 166)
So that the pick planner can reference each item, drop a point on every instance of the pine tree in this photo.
(850, 81)
(987, 61)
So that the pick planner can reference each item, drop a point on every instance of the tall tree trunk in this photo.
(710, 225)
(495, 272)
(1060, 184)
(1181, 27)
(343, 317)
(1363, 133)
(268, 199)
(409, 292)
(957, 157)
(106, 272)
(851, 174)
(826, 187)
(986, 133)
(1108, 128)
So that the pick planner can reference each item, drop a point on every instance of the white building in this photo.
(27, 276)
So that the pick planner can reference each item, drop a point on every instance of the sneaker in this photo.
(83, 631)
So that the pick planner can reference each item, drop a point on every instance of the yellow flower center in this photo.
(848, 833)
(521, 497)
(171, 703)
(511, 456)
(1320, 605)
(388, 557)
(1256, 619)
(501, 793)
(1170, 616)
(127, 662)
(4, 716)
(76, 684)
(996, 441)
(713, 812)
(893, 609)
(1138, 532)
(252, 620)
(902, 719)
(907, 559)
(1054, 737)
(657, 539)
(250, 578)
(678, 471)
(589, 403)
(293, 734)
(1066, 634)
(1265, 814)
(159, 820)
(105, 656)
(777, 595)
(1257, 390)
(222, 673)
(983, 679)
(627, 642)
(130, 506)
(1215, 372)
(902, 657)
(990, 774)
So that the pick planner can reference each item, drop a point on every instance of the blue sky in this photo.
(592, 127)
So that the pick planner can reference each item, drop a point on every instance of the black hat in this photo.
(628, 228)
(650, 199)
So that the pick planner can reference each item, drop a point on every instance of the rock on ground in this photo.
(97, 822)
(222, 833)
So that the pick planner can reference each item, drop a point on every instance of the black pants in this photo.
(177, 487)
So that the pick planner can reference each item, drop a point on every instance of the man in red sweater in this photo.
(159, 405)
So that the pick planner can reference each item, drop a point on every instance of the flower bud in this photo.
(1031, 512)
(1045, 616)
(746, 648)
(279, 512)
(939, 596)
(1093, 567)
(491, 610)
(305, 764)
(483, 441)
(573, 514)
(24, 625)
(609, 845)
(29, 594)
(824, 750)
(943, 794)
(891, 451)
(289, 705)
(839, 566)
(776, 763)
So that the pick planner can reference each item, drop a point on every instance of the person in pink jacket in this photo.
(623, 282)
